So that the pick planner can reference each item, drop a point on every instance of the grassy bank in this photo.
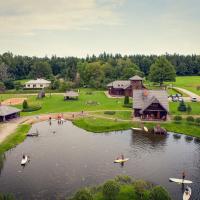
(99, 125)
(17, 137)
(123, 188)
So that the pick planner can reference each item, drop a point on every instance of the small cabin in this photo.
(150, 104)
(71, 95)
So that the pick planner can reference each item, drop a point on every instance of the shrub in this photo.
(141, 186)
(6, 197)
(109, 112)
(111, 189)
(182, 107)
(32, 108)
(190, 119)
(123, 179)
(25, 104)
(189, 109)
(177, 118)
(126, 100)
(198, 120)
(159, 193)
(83, 194)
(9, 84)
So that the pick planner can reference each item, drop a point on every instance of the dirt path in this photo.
(189, 93)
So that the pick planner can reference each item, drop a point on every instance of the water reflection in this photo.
(2, 158)
(65, 158)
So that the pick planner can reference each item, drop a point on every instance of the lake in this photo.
(65, 158)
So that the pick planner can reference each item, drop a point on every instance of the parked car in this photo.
(180, 99)
(179, 95)
(174, 99)
(194, 99)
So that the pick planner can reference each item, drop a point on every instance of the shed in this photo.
(8, 112)
(71, 95)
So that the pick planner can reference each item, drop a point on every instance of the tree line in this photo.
(92, 71)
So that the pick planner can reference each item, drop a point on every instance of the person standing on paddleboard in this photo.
(183, 175)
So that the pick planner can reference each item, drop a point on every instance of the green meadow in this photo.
(187, 82)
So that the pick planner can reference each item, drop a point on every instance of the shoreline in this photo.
(92, 123)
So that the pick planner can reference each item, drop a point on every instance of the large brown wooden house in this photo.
(150, 104)
(125, 88)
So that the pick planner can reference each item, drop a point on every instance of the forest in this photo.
(92, 71)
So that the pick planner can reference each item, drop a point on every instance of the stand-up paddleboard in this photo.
(146, 129)
(187, 194)
(180, 181)
(121, 160)
(136, 129)
(24, 160)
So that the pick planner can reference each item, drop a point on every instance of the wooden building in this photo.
(150, 104)
(71, 95)
(125, 88)
(8, 112)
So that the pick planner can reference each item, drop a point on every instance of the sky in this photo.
(85, 27)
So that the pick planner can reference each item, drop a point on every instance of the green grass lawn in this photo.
(124, 115)
(194, 105)
(86, 102)
(99, 125)
(188, 82)
(17, 137)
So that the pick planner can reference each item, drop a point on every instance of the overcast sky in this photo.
(81, 27)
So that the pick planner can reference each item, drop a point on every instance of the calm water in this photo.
(65, 158)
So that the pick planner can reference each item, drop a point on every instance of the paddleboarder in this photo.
(183, 176)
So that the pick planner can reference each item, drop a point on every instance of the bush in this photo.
(111, 189)
(189, 109)
(83, 194)
(178, 118)
(141, 186)
(198, 120)
(6, 197)
(159, 193)
(123, 179)
(182, 107)
(32, 108)
(126, 100)
(190, 119)
(25, 104)
(9, 84)
(109, 112)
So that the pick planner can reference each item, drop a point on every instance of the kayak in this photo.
(187, 193)
(121, 160)
(24, 160)
(176, 180)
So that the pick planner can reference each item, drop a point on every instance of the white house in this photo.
(37, 84)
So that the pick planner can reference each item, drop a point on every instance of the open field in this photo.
(188, 82)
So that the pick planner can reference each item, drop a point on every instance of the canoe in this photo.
(187, 194)
(121, 160)
(24, 160)
(180, 181)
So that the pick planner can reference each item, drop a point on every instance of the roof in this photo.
(136, 78)
(119, 84)
(144, 98)
(8, 110)
(38, 81)
(71, 94)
